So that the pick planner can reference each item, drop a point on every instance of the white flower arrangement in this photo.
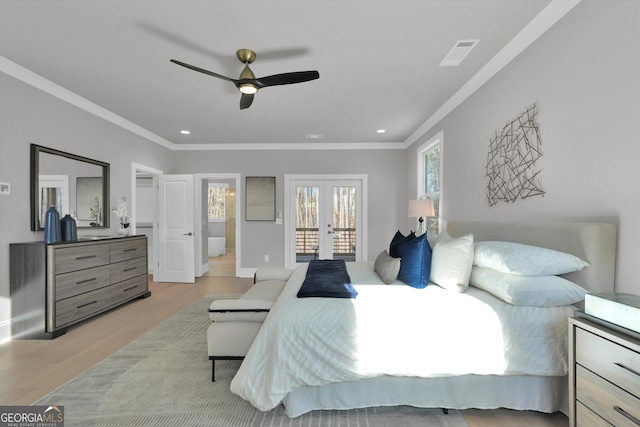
(121, 211)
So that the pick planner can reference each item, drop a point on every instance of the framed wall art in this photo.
(260, 198)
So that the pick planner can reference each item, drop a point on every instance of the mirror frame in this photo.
(35, 184)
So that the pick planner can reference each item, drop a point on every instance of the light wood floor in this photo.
(31, 369)
(222, 265)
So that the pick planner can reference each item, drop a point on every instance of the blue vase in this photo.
(52, 232)
(68, 228)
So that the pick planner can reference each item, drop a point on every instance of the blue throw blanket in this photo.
(327, 278)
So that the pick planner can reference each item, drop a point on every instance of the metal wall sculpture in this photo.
(511, 162)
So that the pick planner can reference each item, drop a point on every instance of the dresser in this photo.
(604, 376)
(54, 286)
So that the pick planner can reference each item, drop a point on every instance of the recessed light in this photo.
(381, 130)
(314, 136)
(185, 132)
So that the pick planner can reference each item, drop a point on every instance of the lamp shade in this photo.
(421, 208)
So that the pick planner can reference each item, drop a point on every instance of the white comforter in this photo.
(396, 330)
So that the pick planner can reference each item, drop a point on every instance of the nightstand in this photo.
(604, 376)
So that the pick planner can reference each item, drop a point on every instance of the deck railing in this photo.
(344, 242)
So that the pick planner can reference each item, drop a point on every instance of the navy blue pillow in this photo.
(397, 240)
(415, 264)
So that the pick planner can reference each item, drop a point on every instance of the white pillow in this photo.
(525, 260)
(451, 262)
(537, 291)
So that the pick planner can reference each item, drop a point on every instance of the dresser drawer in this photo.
(612, 361)
(587, 418)
(128, 289)
(84, 305)
(80, 257)
(127, 269)
(79, 282)
(604, 398)
(128, 249)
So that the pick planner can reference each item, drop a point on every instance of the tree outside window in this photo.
(430, 177)
(216, 201)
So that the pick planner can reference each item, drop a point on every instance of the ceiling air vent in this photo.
(458, 52)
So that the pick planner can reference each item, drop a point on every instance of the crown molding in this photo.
(553, 12)
(292, 146)
(29, 77)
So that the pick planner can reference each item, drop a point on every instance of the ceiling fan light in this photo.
(248, 89)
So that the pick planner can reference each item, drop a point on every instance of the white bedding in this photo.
(399, 331)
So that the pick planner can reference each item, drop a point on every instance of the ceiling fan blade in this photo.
(202, 70)
(246, 101)
(287, 78)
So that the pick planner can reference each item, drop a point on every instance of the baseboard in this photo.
(246, 272)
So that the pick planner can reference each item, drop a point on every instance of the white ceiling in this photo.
(378, 63)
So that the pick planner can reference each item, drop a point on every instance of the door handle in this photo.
(188, 234)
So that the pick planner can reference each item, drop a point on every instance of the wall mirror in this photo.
(74, 184)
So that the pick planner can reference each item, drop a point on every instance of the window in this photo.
(430, 178)
(216, 199)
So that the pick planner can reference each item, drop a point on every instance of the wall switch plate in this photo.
(5, 188)
(266, 258)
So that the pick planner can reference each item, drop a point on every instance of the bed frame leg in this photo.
(213, 370)
(445, 411)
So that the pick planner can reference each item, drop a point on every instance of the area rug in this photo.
(163, 378)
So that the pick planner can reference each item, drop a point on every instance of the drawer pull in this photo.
(129, 250)
(128, 289)
(129, 269)
(89, 303)
(626, 415)
(626, 369)
(85, 257)
(86, 280)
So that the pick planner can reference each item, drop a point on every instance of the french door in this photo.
(324, 218)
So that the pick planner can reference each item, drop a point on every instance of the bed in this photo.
(398, 345)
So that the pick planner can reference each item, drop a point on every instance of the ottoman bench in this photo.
(236, 322)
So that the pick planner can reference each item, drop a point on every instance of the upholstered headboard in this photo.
(593, 242)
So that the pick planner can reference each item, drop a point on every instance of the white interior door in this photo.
(325, 220)
(176, 240)
(54, 190)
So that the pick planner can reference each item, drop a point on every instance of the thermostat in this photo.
(5, 188)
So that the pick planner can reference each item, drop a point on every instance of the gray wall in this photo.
(387, 193)
(584, 75)
(28, 115)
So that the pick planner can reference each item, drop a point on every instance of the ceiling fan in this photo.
(248, 84)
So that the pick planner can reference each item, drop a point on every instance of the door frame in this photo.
(199, 179)
(155, 176)
(289, 218)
